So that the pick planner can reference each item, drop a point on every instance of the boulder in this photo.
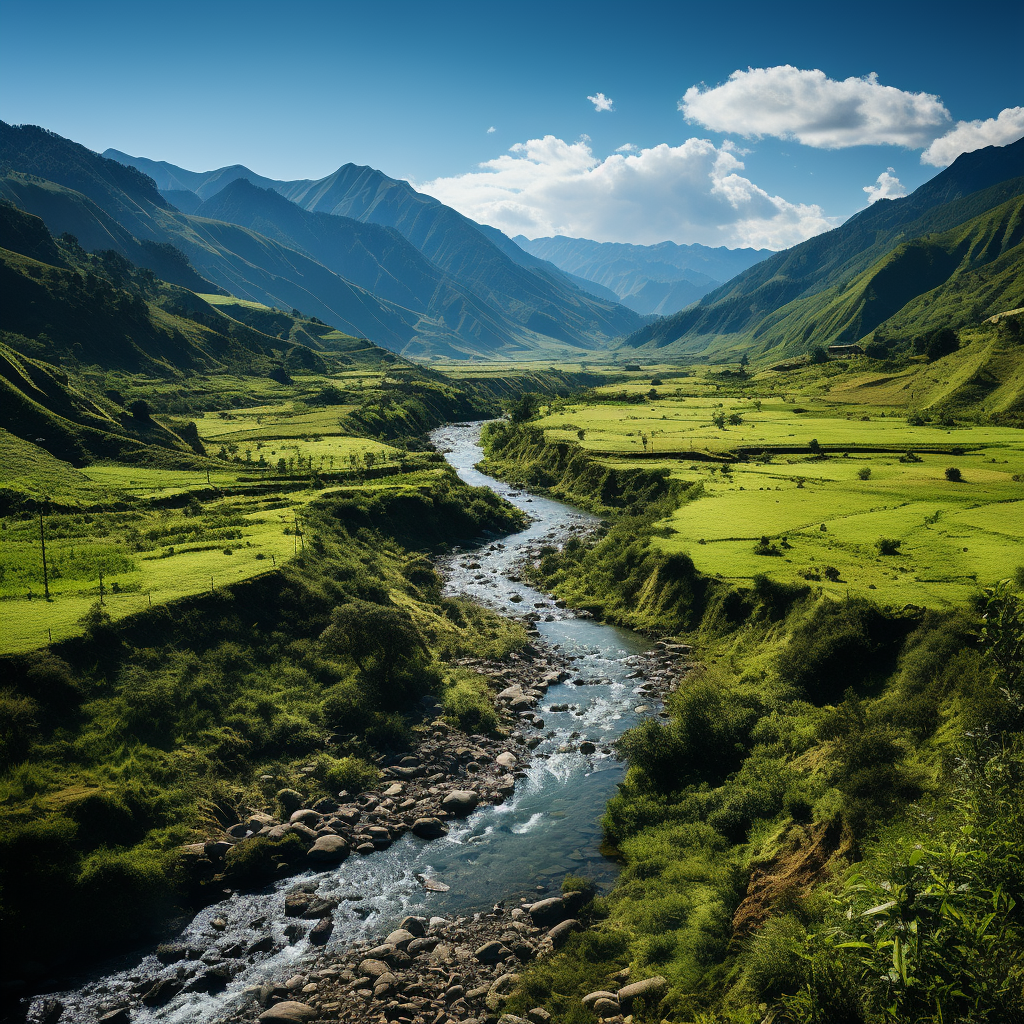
(460, 802)
(606, 1008)
(561, 932)
(548, 912)
(400, 938)
(492, 952)
(290, 1010)
(328, 849)
(290, 800)
(307, 817)
(373, 968)
(416, 925)
(163, 990)
(321, 931)
(429, 828)
(650, 987)
(507, 759)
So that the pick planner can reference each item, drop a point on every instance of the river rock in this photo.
(416, 925)
(328, 849)
(321, 931)
(592, 997)
(606, 1008)
(400, 938)
(548, 912)
(163, 990)
(290, 1010)
(429, 828)
(119, 1016)
(459, 802)
(507, 759)
(306, 817)
(290, 801)
(656, 986)
(562, 931)
(373, 968)
(492, 952)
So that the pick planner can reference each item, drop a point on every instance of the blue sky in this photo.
(294, 91)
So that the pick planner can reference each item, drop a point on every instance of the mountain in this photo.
(808, 295)
(72, 321)
(659, 279)
(537, 297)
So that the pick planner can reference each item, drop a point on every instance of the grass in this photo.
(760, 478)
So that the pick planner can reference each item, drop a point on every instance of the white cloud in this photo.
(887, 186)
(968, 136)
(816, 110)
(491, 129)
(601, 102)
(688, 193)
(628, 148)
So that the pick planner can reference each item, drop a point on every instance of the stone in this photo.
(171, 953)
(328, 849)
(647, 988)
(307, 817)
(416, 925)
(586, 747)
(119, 1016)
(538, 1015)
(548, 912)
(400, 938)
(429, 828)
(373, 968)
(321, 931)
(460, 802)
(562, 931)
(290, 1010)
(492, 952)
(163, 990)
(606, 1008)
(507, 759)
(592, 997)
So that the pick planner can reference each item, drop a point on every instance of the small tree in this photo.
(954, 475)
(864, 472)
(719, 420)
(888, 545)
(140, 410)
(814, 446)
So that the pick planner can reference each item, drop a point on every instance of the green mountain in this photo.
(541, 300)
(808, 295)
(659, 279)
(71, 323)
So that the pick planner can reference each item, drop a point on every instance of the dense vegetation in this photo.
(119, 747)
(828, 826)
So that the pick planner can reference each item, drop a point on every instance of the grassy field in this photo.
(157, 535)
(822, 482)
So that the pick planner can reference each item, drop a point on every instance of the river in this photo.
(549, 827)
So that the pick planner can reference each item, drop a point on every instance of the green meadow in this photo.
(806, 489)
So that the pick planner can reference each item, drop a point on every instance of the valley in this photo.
(313, 489)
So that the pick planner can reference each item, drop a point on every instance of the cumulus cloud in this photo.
(887, 186)
(628, 148)
(688, 193)
(491, 129)
(818, 111)
(601, 102)
(967, 136)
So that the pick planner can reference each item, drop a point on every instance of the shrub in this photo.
(765, 547)
(953, 474)
(351, 773)
(864, 473)
(256, 861)
(888, 546)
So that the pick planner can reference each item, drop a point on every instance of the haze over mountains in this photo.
(658, 279)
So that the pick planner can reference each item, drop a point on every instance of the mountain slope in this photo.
(658, 278)
(734, 316)
(481, 260)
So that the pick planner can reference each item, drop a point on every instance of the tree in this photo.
(954, 475)
(818, 355)
(524, 408)
(719, 420)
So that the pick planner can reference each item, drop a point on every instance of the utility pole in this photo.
(42, 544)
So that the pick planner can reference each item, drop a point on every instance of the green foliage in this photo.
(351, 773)
(954, 475)
(888, 545)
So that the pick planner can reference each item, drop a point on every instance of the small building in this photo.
(844, 351)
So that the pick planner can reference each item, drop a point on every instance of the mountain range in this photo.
(659, 279)
(949, 254)
(447, 286)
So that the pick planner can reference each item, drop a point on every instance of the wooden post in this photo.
(42, 544)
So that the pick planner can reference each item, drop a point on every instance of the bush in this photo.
(351, 773)
(864, 473)
(953, 474)
(888, 546)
